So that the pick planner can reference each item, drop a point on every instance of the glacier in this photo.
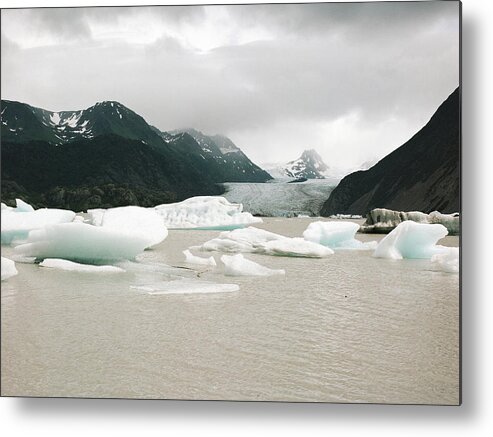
(336, 235)
(131, 220)
(63, 264)
(256, 240)
(412, 240)
(8, 268)
(192, 259)
(238, 265)
(82, 242)
(205, 212)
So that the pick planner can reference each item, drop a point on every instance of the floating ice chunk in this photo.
(8, 268)
(71, 266)
(238, 265)
(345, 216)
(256, 240)
(205, 212)
(17, 225)
(382, 221)
(23, 206)
(450, 221)
(185, 286)
(412, 240)
(336, 235)
(79, 219)
(132, 220)
(448, 261)
(82, 242)
(297, 247)
(192, 259)
(6, 208)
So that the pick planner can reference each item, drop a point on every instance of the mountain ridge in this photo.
(187, 169)
(423, 174)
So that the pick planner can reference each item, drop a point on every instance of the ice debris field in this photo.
(110, 240)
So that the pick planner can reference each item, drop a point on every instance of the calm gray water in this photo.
(348, 328)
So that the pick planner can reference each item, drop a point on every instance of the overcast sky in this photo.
(353, 81)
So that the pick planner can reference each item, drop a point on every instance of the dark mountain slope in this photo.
(226, 161)
(54, 158)
(22, 123)
(100, 172)
(422, 174)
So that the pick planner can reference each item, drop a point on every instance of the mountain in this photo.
(309, 165)
(24, 123)
(421, 175)
(108, 155)
(230, 164)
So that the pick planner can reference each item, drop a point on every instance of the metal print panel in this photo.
(239, 202)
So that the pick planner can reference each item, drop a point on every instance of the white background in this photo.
(77, 417)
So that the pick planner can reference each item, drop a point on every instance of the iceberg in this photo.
(82, 242)
(412, 240)
(22, 206)
(205, 212)
(17, 225)
(297, 247)
(238, 265)
(256, 240)
(63, 264)
(131, 220)
(448, 261)
(192, 259)
(382, 221)
(450, 221)
(185, 286)
(8, 268)
(336, 235)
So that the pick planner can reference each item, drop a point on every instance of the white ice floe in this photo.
(63, 264)
(256, 240)
(205, 212)
(17, 225)
(192, 259)
(296, 247)
(336, 235)
(8, 268)
(412, 240)
(82, 242)
(131, 220)
(185, 286)
(238, 265)
(448, 261)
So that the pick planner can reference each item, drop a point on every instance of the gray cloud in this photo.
(352, 80)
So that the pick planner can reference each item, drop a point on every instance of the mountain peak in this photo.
(309, 165)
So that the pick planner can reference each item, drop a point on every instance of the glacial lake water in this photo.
(347, 328)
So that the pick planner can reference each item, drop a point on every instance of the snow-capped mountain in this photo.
(22, 122)
(107, 155)
(309, 165)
